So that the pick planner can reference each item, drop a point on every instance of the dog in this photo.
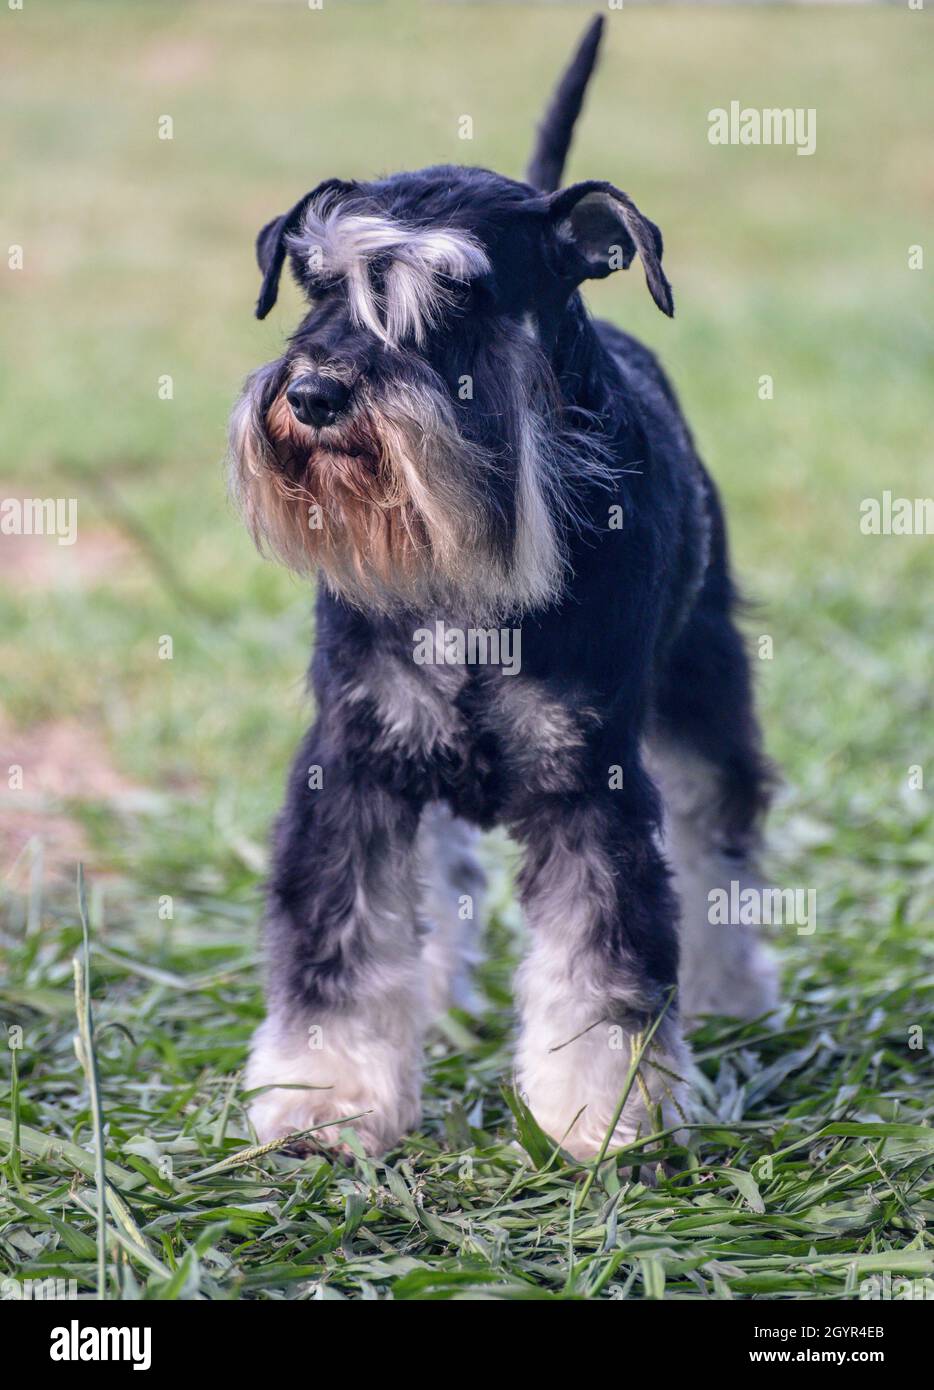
(454, 446)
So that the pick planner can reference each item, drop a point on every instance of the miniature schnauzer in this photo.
(452, 444)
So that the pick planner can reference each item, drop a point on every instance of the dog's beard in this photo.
(397, 509)
(340, 504)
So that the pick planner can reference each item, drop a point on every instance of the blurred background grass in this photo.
(139, 263)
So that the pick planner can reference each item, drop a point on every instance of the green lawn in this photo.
(812, 1168)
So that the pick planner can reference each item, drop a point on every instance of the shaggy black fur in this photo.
(640, 639)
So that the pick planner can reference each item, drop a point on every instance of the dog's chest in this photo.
(488, 738)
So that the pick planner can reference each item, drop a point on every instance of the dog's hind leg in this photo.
(453, 884)
(705, 755)
(724, 967)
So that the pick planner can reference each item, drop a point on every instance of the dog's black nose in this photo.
(317, 400)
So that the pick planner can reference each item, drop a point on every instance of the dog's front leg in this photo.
(601, 966)
(344, 991)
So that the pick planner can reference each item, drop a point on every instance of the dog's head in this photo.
(413, 442)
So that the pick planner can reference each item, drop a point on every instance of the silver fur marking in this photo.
(347, 243)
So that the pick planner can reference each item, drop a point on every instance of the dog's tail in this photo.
(554, 134)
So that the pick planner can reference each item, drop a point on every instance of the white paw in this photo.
(573, 1092)
(364, 1079)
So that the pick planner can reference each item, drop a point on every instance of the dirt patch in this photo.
(176, 62)
(44, 543)
(41, 770)
(39, 562)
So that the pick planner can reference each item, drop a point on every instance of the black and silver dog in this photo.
(454, 445)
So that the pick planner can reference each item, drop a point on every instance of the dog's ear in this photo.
(270, 253)
(601, 230)
(271, 244)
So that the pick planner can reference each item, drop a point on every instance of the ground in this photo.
(159, 765)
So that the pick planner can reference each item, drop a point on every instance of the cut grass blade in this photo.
(87, 1056)
(260, 1150)
(632, 1073)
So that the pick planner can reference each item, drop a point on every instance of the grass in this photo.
(810, 1166)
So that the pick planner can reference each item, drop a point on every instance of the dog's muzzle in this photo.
(317, 400)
